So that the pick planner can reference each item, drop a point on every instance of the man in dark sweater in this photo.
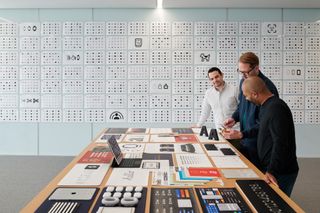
(276, 138)
(247, 113)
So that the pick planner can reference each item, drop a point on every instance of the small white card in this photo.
(184, 203)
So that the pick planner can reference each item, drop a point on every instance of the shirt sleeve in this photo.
(205, 111)
(238, 93)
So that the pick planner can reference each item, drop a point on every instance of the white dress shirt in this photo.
(222, 104)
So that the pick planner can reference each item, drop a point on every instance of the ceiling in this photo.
(241, 3)
(166, 4)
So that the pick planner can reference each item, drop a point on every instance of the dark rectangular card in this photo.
(227, 151)
(263, 197)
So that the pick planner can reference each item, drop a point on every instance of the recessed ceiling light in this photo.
(159, 4)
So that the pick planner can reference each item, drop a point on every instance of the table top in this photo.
(172, 141)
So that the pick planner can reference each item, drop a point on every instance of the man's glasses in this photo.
(242, 72)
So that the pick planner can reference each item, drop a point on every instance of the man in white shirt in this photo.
(221, 98)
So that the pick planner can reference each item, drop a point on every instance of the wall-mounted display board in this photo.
(147, 72)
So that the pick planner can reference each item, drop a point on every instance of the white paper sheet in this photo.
(162, 138)
(229, 162)
(138, 131)
(85, 175)
(204, 139)
(132, 147)
(193, 160)
(196, 130)
(133, 155)
(173, 148)
(136, 138)
(154, 165)
(160, 130)
(128, 177)
(160, 171)
(103, 138)
(239, 173)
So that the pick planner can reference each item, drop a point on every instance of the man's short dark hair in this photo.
(214, 69)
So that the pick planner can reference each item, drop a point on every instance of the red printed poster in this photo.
(207, 172)
(96, 157)
(185, 138)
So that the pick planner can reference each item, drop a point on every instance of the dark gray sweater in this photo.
(276, 139)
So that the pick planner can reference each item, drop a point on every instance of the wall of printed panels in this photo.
(141, 72)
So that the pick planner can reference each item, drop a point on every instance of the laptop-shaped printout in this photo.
(73, 194)
(119, 161)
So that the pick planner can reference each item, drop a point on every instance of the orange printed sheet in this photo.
(96, 157)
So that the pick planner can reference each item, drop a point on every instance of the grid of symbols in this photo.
(147, 71)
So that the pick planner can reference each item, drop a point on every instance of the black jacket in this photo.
(276, 139)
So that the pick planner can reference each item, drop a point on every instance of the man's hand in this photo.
(232, 134)
(269, 178)
(229, 123)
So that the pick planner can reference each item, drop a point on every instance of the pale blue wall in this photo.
(70, 139)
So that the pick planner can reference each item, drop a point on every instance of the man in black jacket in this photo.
(276, 143)
(247, 113)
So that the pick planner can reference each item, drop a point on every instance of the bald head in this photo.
(255, 90)
(255, 84)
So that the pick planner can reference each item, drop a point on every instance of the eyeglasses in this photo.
(242, 72)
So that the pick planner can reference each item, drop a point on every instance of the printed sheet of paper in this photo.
(185, 138)
(160, 171)
(162, 139)
(155, 165)
(229, 162)
(173, 148)
(136, 138)
(196, 130)
(85, 175)
(133, 155)
(154, 156)
(222, 150)
(138, 131)
(239, 173)
(132, 147)
(202, 172)
(104, 138)
(160, 130)
(181, 176)
(204, 139)
(128, 177)
(193, 160)
(116, 130)
(96, 157)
